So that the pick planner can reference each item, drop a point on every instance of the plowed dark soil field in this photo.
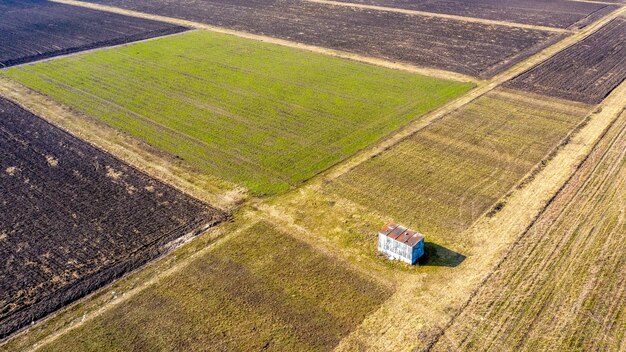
(73, 218)
(470, 48)
(586, 72)
(558, 13)
(32, 30)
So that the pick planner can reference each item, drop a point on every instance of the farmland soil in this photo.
(562, 285)
(260, 289)
(73, 218)
(33, 30)
(558, 14)
(272, 118)
(474, 49)
(586, 72)
(453, 171)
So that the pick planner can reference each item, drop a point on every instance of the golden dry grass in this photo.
(561, 286)
(261, 289)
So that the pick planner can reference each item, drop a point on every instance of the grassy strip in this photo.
(442, 178)
(561, 287)
(260, 289)
(265, 116)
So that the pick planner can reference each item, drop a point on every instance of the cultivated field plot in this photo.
(447, 175)
(32, 30)
(558, 14)
(262, 289)
(562, 285)
(587, 71)
(262, 115)
(73, 218)
(469, 48)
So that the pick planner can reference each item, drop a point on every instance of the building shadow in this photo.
(436, 255)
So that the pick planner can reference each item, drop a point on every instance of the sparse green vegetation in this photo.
(262, 115)
(441, 179)
(562, 285)
(444, 177)
(260, 289)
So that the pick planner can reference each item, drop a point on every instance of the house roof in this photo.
(402, 234)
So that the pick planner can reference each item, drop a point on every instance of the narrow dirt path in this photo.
(442, 15)
(95, 49)
(477, 92)
(442, 74)
(432, 303)
(216, 192)
(545, 254)
(514, 218)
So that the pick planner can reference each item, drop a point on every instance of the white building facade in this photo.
(399, 243)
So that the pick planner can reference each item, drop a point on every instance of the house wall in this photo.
(394, 249)
(418, 251)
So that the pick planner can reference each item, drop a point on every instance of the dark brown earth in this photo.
(586, 72)
(73, 218)
(555, 13)
(470, 48)
(32, 30)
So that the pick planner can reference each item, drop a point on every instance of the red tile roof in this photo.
(402, 234)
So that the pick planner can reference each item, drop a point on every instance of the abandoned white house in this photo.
(400, 243)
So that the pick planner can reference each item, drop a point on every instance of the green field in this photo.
(444, 177)
(260, 289)
(264, 116)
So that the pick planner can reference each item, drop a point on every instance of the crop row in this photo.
(35, 29)
(562, 285)
(556, 13)
(73, 218)
(262, 115)
(586, 72)
(441, 179)
(470, 48)
(261, 289)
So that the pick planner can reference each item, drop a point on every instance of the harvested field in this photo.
(586, 72)
(261, 289)
(562, 285)
(262, 115)
(555, 13)
(475, 49)
(447, 175)
(73, 218)
(32, 30)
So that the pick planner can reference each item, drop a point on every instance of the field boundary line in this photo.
(549, 182)
(426, 71)
(539, 57)
(482, 89)
(599, 2)
(124, 296)
(4, 68)
(441, 15)
(322, 244)
(128, 150)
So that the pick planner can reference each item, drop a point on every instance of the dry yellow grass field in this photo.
(562, 285)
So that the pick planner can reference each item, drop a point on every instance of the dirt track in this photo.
(77, 216)
(408, 11)
(553, 14)
(468, 48)
(567, 265)
(35, 30)
(368, 335)
(444, 297)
